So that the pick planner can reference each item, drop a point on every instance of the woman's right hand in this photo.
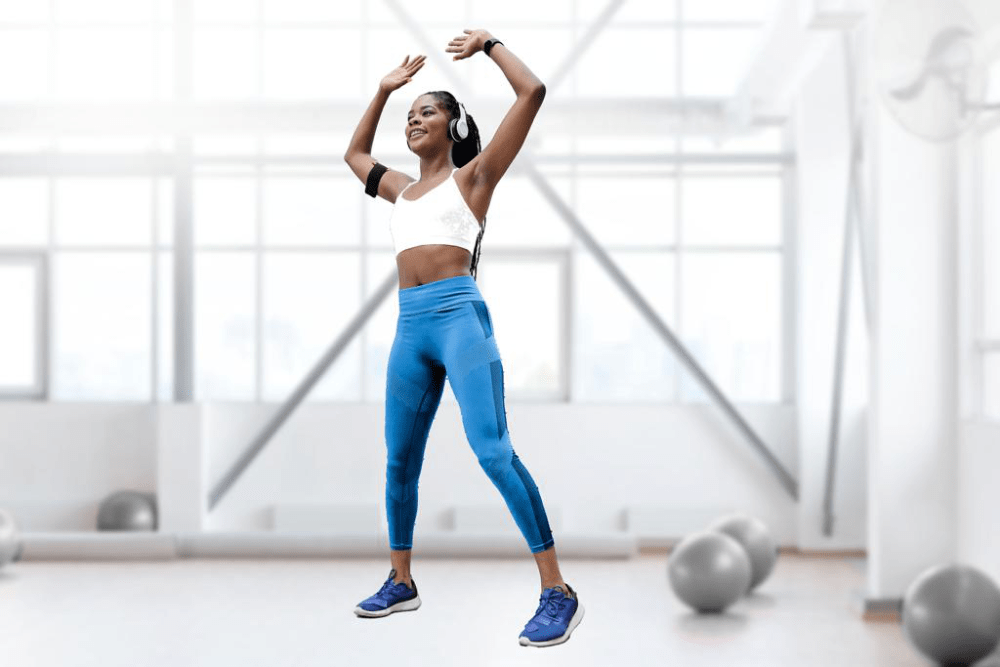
(402, 74)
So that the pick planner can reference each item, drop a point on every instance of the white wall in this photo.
(589, 460)
(979, 497)
(58, 461)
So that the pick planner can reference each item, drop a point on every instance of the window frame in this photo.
(39, 388)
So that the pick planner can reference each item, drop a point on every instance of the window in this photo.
(287, 249)
(102, 332)
(23, 356)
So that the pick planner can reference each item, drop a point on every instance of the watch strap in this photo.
(489, 44)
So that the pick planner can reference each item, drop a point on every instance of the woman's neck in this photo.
(429, 169)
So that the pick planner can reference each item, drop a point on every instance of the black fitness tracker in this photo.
(489, 44)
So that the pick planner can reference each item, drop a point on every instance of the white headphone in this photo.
(458, 128)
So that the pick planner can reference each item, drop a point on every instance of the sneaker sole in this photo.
(575, 621)
(403, 605)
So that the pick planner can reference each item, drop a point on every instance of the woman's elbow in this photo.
(539, 92)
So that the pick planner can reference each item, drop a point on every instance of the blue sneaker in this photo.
(556, 617)
(390, 598)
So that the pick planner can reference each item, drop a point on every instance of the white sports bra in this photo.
(440, 215)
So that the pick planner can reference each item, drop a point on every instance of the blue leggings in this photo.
(445, 330)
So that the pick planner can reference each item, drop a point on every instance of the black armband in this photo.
(374, 176)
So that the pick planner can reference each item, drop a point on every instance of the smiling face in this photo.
(427, 126)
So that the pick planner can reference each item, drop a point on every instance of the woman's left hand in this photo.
(468, 44)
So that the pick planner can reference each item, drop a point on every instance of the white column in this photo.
(181, 467)
(912, 430)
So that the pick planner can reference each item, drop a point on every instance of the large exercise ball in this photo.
(709, 571)
(127, 510)
(951, 614)
(10, 540)
(753, 535)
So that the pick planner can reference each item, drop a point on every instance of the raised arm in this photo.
(491, 164)
(359, 151)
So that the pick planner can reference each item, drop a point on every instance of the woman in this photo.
(444, 327)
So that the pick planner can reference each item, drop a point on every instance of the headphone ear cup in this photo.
(459, 126)
(458, 130)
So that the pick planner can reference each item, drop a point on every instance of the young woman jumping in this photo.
(445, 329)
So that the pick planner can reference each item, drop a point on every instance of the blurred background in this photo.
(790, 199)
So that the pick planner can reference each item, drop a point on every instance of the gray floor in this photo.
(298, 612)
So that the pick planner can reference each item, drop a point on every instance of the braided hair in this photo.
(462, 153)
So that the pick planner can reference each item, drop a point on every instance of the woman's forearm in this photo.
(364, 135)
(522, 79)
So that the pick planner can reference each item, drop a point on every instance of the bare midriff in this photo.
(428, 263)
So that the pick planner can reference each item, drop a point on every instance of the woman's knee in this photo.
(494, 460)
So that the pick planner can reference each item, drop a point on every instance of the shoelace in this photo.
(553, 604)
(386, 587)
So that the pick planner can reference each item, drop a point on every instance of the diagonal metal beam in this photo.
(856, 193)
(582, 44)
(567, 214)
(852, 225)
(307, 383)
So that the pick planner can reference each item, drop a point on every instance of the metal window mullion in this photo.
(789, 262)
(365, 253)
(364, 221)
(678, 273)
(329, 163)
(259, 377)
(679, 202)
(184, 268)
(50, 264)
(183, 246)
(566, 333)
(362, 291)
(567, 289)
(615, 247)
(48, 335)
(42, 308)
(154, 318)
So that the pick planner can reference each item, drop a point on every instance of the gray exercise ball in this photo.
(709, 571)
(951, 614)
(128, 510)
(10, 540)
(753, 535)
